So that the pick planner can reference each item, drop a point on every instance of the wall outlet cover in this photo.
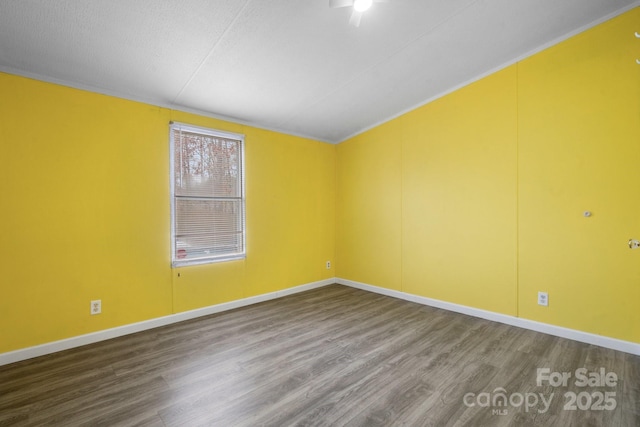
(543, 299)
(96, 307)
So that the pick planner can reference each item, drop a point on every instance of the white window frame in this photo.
(175, 262)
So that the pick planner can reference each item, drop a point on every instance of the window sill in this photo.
(201, 261)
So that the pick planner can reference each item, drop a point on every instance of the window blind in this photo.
(208, 206)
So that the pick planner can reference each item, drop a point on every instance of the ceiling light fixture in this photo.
(362, 5)
(359, 7)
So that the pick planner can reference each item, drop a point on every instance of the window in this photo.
(207, 195)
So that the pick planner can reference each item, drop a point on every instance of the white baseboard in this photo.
(56, 346)
(53, 347)
(572, 334)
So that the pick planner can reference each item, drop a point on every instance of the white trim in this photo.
(206, 131)
(215, 133)
(56, 346)
(65, 344)
(163, 103)
(156, 102)
(494, 70)
(558, 331)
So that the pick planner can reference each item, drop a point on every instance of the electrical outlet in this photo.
(96, 307)
(543, 299)
(328, 265)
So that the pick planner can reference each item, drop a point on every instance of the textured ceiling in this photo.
(294, 66)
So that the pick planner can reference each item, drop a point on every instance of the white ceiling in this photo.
(294, 66)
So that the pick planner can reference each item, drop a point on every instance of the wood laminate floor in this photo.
(331, 356)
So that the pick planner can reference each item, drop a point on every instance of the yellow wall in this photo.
(84, 181)
(478, 198)
(459, 196)
(368, 229)
(579, 150)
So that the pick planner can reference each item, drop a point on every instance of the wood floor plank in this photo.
(333, 356)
